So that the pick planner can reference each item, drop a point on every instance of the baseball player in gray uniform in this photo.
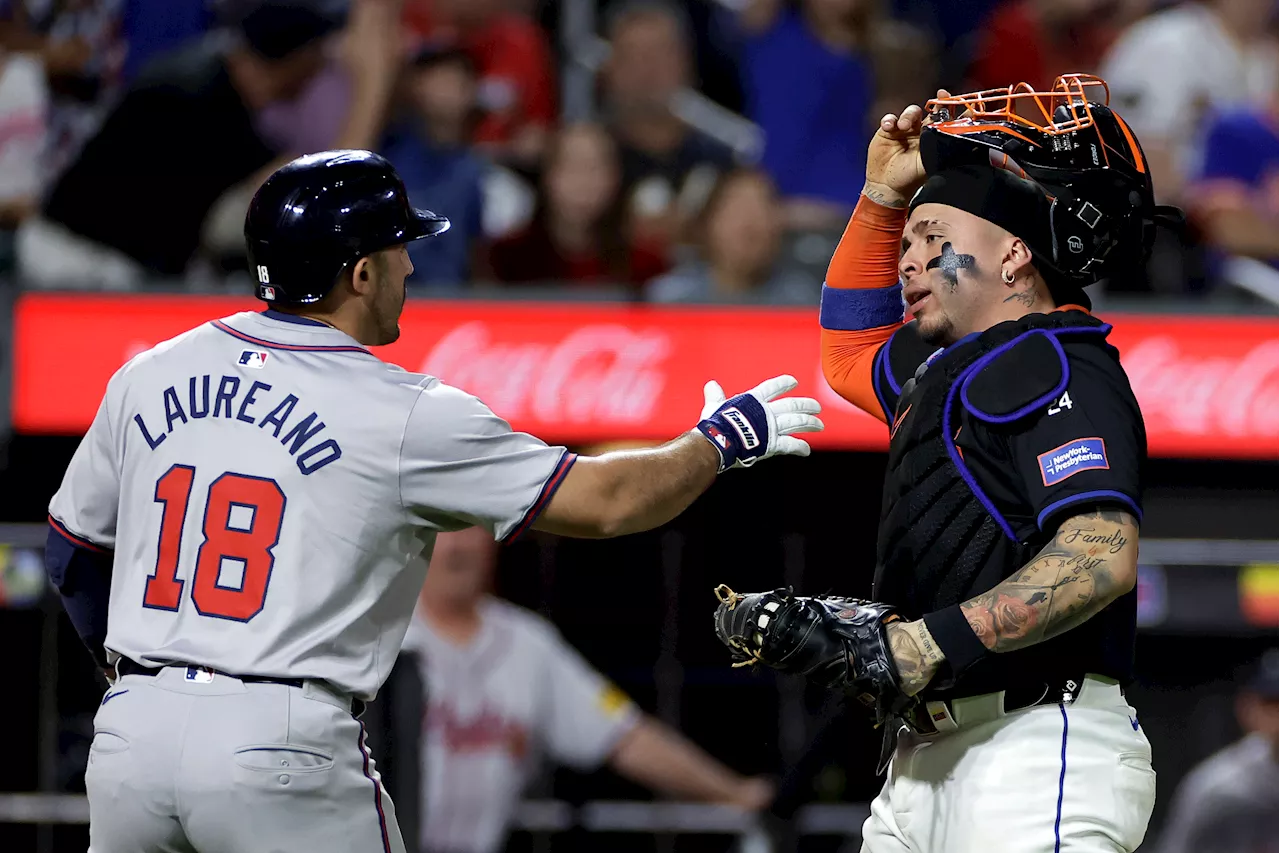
(506, 691)
(235, 536)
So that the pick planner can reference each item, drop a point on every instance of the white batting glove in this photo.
(749, 427)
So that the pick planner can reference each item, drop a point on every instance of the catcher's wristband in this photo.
(956, 640)
(738, 430)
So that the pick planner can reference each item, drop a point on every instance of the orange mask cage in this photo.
(1021, 105)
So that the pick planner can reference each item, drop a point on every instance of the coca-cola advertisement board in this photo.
(581, 373)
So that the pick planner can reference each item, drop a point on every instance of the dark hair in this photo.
(435, 54)
(701, 231)
(275, 29)
(609, 230)
(623, 12)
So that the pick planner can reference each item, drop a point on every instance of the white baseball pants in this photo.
(1060, 778)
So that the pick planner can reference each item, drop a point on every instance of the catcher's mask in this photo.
(1086, 158)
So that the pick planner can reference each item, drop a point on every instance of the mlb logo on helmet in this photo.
(253, 358)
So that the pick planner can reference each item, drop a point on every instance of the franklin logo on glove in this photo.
(742, 428)
(749, 427)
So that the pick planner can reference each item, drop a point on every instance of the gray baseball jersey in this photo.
(265, 483)
(515, 693)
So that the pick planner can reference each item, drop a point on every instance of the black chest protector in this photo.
(939, 530)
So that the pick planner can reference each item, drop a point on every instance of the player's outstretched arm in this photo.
(633, 490)
(1091, 561)
(663, 760)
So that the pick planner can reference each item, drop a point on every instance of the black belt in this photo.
(1017, 697)
(125, 666)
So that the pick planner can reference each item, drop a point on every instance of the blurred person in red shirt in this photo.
(577, 231)
(517, 93)
(667, 166)
(1034, 41)
(739, 242)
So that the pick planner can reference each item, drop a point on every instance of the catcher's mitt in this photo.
(836, 642)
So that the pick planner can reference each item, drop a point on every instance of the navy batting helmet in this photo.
(318, 214)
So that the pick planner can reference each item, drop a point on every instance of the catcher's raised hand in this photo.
(755, 425)
(894, 167)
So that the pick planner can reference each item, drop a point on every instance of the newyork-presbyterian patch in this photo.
(1082, 454)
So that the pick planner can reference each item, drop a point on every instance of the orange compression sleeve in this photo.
(862, 302)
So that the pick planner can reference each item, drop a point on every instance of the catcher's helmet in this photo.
(321, 212)
(1081, 152)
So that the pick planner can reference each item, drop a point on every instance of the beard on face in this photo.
(388, 301)
(936, 331)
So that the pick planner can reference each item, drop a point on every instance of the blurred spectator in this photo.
(429, 148)
(135, 201)
(1034, 41)
(505, 692)
(83, 51)
(154, 27)
(24, 104)
(577, 234)
(667, 166)
(517, 93)
(811, 84)
(313, 120)
(1169, 71)
(739, 239)
(1231, 802)
(1235, 200)
(907, 63)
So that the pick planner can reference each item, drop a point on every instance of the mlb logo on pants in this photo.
(253, 358)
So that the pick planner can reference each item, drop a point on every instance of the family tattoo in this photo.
(1069, 581)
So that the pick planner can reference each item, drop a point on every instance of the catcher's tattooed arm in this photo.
(1091, 561)
(915, 653)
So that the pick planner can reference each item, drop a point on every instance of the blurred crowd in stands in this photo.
(667, 150)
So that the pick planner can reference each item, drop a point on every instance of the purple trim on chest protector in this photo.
(962, 381)
(978, 366)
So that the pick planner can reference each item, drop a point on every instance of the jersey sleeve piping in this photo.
(78, 541)
(549, 488)
(1098, 496)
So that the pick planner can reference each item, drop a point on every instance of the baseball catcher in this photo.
(1002, 627)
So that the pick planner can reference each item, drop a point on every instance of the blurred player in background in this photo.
(1230, 803)
(505, 690)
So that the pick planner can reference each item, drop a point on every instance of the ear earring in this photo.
(1006, 276)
